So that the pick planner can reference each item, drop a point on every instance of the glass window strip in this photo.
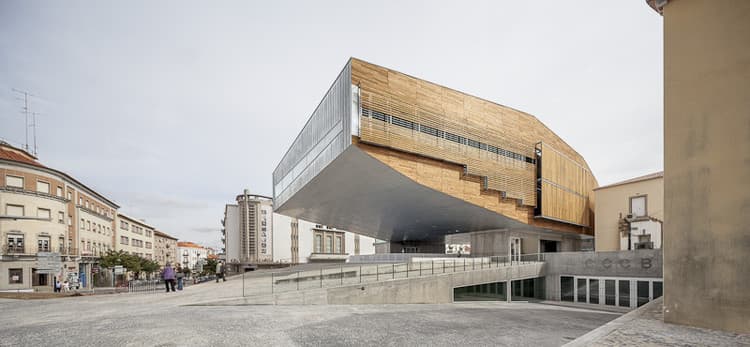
(444, 134)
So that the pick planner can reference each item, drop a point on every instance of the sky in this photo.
(172, 108)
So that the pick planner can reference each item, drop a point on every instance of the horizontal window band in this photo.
(400, 122)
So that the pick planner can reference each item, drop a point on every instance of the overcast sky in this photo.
(172, 108)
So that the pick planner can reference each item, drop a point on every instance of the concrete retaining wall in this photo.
(433, 289)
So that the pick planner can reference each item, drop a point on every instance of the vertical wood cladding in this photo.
(566, 188)
(493, 142)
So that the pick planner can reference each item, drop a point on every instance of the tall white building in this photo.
(248, 230)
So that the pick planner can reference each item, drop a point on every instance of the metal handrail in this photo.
(337, 275)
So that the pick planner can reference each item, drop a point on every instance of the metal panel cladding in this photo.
(325, 135)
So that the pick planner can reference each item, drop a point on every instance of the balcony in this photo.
(13, 249)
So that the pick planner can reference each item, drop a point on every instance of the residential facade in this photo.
(134, 237)
(408, 161)
(630, 214)
(248, 229)
(165, 249)
(44, 210)
(192, 255)
(706, 162)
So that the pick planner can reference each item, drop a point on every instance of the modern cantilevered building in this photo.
(408, 161)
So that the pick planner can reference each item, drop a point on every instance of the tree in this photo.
(209, 268)
(132, 263)
(149, 266)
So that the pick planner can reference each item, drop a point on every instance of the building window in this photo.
(624, 286)
(339, 245)
(566, 288)
(43, 244)
(593, 291)
(329, 244)
(87, 204)
(124, 225)
(43, 213)
(609, 292)
(61, 217)
(42, 187)
(318, 243)
(638, 207)
(70, 196)
(14, 210)
(15, 276)
(15, 243)
(59, 191)
(80, 201)
(88, 225)
(14, 181)
(124, 240)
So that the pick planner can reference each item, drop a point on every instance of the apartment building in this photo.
(165, 248)
(134, 236)
(248, 229)
(192, 255)
(630, 214)
(44, 210)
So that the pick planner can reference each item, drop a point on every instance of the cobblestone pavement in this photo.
(161, 319)
(646, 327)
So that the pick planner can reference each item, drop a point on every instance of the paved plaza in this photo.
(167, 319)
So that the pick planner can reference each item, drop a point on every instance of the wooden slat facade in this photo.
(510, 170)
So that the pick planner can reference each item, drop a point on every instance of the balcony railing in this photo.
(13, 249)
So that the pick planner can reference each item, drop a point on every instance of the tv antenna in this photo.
(27, 112)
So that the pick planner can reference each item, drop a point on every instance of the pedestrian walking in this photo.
(220, 272)
(58, 285)
(180, 277)
(168, 275)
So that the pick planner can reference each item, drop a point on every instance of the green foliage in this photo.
(131, 262)
(209, 268)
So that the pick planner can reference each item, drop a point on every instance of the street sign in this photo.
(48, 263)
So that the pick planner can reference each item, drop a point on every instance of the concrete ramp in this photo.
(432, 289)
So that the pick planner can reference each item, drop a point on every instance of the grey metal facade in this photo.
(325, 136)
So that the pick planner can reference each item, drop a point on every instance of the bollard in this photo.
(420, 269)
(271, 282)
(321, 277)
(377, 273)
(243, 284)
(432, 267)
(360, 274)
(393, 271)
(342, 275)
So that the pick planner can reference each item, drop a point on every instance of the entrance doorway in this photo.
(515, 249)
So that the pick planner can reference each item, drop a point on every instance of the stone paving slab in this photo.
(645, 327)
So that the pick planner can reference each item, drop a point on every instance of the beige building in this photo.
(193, 255)
(248, 230)
(45, 210)
(629, 214)
(134, 237)
(706, 162)
(165, 248)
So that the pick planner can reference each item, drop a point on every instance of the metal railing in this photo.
(152, 286)
(346, 274)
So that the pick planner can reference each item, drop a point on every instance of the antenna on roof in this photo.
(26, 112)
